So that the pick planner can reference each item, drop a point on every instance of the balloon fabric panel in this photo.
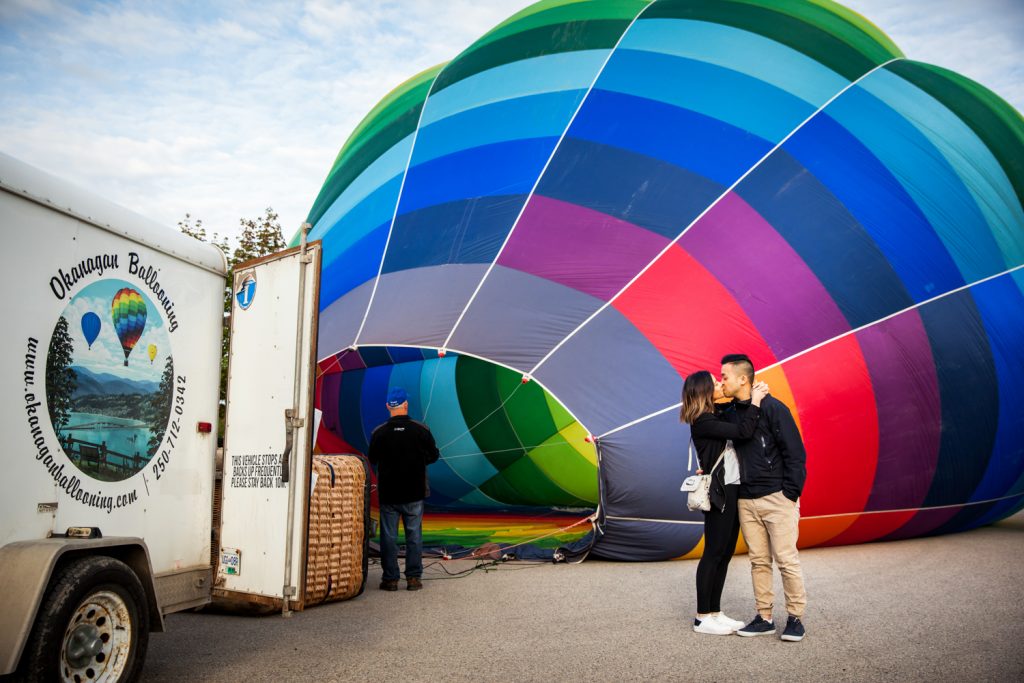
(936, 189)
(991, 118)
(856, 273)
(968, 389)
(1001, 306)
(394, 119)
(773, 284)
(899, 358)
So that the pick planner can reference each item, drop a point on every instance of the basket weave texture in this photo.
(334, 564)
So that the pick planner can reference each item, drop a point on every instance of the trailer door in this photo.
(269, 428)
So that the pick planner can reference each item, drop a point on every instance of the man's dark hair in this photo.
(743, 365)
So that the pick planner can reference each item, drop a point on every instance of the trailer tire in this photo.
(93, 625)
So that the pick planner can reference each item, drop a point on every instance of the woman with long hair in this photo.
(712, 439)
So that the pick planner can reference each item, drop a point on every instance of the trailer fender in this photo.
(27, 567)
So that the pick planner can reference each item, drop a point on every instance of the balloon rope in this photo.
(483, 419)
(838, 514)
(501, 450)
(540, 176)
(712, 205)
(430, 397)
(829, 341)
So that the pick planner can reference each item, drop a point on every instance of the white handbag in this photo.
(698, 486)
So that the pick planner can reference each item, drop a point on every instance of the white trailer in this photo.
(111, 370)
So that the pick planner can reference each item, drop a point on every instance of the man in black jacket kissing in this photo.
(772, 475)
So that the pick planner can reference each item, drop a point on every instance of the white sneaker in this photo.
(735, 624)
(712, 627)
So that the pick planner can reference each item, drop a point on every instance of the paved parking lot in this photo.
(944, 608)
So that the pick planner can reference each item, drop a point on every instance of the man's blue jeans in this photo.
(412, 520)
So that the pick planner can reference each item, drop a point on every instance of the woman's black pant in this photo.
(721, 529)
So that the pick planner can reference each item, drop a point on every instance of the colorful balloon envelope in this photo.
(607, 196)
(152, 353)
(128, 313)
(90, 327)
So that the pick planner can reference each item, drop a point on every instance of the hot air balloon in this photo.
(128, 312)
(152, 353)
(600, 198)
(90, 327)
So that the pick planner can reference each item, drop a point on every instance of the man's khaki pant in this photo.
(770, 527)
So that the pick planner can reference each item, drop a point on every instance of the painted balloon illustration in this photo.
(90, 327)
(128, 313)
(152, 353)
(606, 196)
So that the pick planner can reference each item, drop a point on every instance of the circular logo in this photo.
(246, 291)
(110, 380)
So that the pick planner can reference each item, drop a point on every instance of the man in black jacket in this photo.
(401, 449)
(772, 475)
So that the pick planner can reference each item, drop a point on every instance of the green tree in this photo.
(162, 401)
(61, 380)
(260, 236)
(193, 227)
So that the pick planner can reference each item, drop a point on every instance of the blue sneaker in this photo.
(794, 630)
(758, 627)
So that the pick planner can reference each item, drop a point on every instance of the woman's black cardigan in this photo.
(710, 433)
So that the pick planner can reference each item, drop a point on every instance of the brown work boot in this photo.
(414, 584)
(389, 585)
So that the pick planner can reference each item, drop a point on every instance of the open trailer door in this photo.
(269, 429)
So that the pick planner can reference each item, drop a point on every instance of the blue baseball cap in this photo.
(397, 397)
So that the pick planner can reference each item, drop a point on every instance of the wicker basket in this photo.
(336, 551)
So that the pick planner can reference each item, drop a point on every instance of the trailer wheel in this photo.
(93, 625)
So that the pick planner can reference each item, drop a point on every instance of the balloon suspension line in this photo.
(477, 454)
(838, 337)
(484, 419)
(540, 176)
(430, 396)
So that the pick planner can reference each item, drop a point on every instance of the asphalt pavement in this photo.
(930, 609)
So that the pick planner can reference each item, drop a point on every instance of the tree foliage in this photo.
(61, 380)
(162, 406)
(260, 236)
(193, 227)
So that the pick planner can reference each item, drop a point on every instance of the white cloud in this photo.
(218, 116)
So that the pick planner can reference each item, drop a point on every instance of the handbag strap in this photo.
(689, 460)
(718, 462)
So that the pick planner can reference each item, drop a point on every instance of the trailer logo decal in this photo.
(111, 389)
(246, 291)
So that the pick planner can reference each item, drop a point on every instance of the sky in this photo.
(222, 108)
